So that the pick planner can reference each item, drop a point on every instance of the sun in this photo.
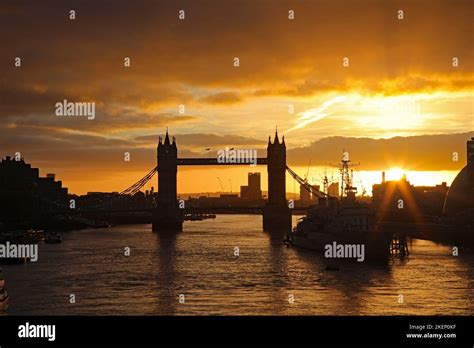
(395, 173)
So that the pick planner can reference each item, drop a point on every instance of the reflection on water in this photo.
(200, 264)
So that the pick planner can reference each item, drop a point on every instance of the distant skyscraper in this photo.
(253, 189)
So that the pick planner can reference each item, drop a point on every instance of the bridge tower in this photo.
(276, 214)
(167, 215)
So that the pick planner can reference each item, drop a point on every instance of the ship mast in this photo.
(348, 191)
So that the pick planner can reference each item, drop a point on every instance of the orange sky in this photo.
(400, 81)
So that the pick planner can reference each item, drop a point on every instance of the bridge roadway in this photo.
(216, 162)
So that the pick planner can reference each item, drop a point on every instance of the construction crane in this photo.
(307, 172)
(361, 184)
(220, 183)
(325, 180)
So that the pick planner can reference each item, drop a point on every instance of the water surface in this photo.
(200, 263)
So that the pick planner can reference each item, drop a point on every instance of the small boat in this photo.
(193, 217)
(4, 298)
(52, 238)
(198, 216)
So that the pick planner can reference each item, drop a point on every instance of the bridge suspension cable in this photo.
(140, 183)
(305, 184)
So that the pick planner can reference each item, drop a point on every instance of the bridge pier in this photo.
(276, 218)
(276, 214)
(167, 216)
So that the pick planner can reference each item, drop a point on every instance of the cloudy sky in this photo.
(400, 81)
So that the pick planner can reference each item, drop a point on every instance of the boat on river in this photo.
(341, 226)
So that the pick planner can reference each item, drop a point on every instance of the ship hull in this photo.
(316, 242)
(376, 248)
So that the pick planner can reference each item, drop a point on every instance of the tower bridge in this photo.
(168, 215)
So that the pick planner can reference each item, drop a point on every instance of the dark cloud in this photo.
(207, 140)
(222, 98)
(304, 55)
(424, 152)
(191, 62)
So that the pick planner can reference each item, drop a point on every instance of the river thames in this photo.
(197, 272)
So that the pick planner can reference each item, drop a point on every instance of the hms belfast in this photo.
(343, 221)
(347, 221)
